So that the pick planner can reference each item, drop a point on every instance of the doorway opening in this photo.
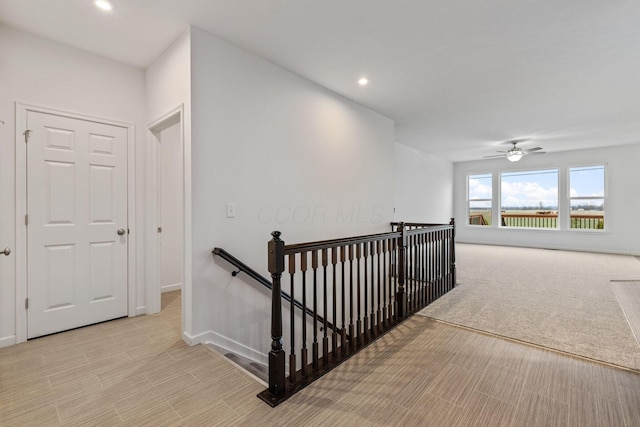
(166, 212)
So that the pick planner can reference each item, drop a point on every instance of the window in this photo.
(480, 198)
(586, 197)
(529, 199)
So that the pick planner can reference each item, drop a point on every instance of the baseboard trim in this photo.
(558, 248)
(7, 341)
(170, 288)
(141, 310)
(211, 337)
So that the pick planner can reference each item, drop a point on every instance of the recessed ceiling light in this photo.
(363, 81)
(105, 4)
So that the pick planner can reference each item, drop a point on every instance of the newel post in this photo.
(401, 297)
(276, 355)
(453, 252)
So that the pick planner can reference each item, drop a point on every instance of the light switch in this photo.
(231, 210)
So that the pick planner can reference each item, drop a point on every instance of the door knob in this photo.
(121, 232)
(6, 251)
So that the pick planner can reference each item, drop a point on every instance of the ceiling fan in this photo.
(515, 153)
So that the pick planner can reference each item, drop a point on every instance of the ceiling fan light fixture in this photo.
(105, 5)
(514, 155)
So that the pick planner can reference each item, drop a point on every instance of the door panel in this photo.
(76, 201)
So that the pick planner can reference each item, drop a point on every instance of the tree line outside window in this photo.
(529, 199)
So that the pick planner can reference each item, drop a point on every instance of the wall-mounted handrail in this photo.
(260, 279)
(243, 267)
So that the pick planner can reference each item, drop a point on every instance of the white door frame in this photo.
(153, 301)
(22, 109)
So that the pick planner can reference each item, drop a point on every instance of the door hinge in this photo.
(26, 219)
(26, 303)
(26, 134)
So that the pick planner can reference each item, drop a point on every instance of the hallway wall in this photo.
(42, 72)
(291, 156)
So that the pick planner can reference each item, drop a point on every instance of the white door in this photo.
(77, 223)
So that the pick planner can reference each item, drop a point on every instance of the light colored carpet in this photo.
(557, 299)
(628, 294)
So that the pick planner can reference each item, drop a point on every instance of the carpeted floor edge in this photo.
(532, 344)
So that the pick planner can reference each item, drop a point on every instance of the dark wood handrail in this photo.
(243, 267)
(335, 243)
(259, 278)
(415, 224)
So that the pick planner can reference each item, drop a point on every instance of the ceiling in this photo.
(459, 77)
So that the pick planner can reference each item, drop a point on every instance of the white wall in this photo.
(423, 186)
(44, 73)
(291, 156)
(622, 205)
(168, 88)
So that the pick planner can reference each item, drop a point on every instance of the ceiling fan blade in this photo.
(537, 152)
(495, 155)
(531, 150)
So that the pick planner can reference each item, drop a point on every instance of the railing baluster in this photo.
(358, 300)
(292, 356)
(304, 361)
(325, 314)
(365, 320)
(352, 334)
(393, 279)
(423, 282)
(379, 315)
(373, 287)
(314, 266)
(343, 332)
(385, 283)
(434, 266)
(402, 266)
(415, 273)
(334, 336)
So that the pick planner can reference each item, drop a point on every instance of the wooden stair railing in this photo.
(364, 285)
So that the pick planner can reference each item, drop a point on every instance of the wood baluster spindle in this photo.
(343, 297)
(352, 333)
(334, 336)
(378, 311)
(292, 356)
(304, 357)
(358, 296)
(314, 267)
(372, 288)
(325, 336)
(365, 320)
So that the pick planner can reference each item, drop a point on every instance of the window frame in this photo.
(490, 200)
(603, 198)
(558, 171)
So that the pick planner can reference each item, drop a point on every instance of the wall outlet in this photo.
(231, 210)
